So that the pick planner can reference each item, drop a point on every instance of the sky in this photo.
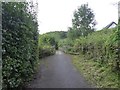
(56, 15)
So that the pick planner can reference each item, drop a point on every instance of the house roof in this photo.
(109, 25)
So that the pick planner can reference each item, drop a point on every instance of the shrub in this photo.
(19, 43)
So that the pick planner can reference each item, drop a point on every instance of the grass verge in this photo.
(99, 75)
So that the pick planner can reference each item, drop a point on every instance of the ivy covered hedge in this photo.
(19, 43)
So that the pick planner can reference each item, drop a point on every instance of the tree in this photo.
(83, 20)
(73, 33)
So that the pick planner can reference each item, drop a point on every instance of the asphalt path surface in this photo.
(57, 71)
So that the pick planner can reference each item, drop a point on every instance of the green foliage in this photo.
(73, 33)
(46, 45)
(49, 42)
(57, 35)
(19, 43)
(101, 46)
(46, 50)
(46, 39)
(56, 46)
(66, 42)
(99, 75)
(113, 47)
(83, 20)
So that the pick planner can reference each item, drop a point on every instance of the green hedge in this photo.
(101, 46)
(46, 51)
(47, 45)
(19, 43)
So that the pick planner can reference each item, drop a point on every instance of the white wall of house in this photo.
(119, 9)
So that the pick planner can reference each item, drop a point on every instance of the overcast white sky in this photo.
(56, 15)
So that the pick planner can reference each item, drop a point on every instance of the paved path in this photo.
(57, 71)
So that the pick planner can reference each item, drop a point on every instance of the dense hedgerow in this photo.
(46, 50)
(19, 42)
(101, 46)
(113, 49)
(46, 45)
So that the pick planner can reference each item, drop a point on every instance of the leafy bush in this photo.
(19, 43)
(46, 45)
(101, 46)
(46, 51)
